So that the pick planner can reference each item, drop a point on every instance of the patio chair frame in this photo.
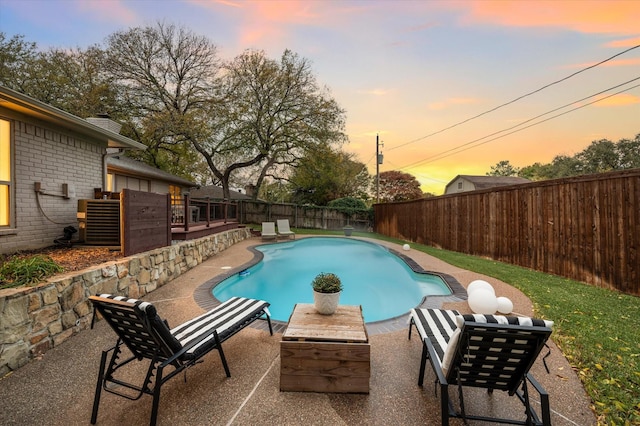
(494, 357)
(148, 338)
(284, 229)
(268, 231)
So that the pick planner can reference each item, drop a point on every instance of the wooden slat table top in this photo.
(345, 325)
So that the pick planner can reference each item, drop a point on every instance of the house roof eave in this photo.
(132, 167)
(27, 105)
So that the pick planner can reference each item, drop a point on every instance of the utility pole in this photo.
(378, 162)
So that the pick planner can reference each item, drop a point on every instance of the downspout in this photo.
(103, 121)
(105, 157)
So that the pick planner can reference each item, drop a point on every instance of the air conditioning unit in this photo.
(99, 222)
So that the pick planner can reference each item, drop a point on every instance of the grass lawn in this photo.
(598, 330)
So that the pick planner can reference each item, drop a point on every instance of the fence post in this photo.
(324, 218)
(208, 211)
(169, 219)
(187, 212)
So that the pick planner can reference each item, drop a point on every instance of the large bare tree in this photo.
(240, 122)
(168, 77)
(267, 115)
(253, 116)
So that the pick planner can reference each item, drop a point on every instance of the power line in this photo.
(459, 150)
(526, 121)
(426, 177)
(516, 99)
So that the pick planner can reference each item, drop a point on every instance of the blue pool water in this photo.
(371, 276)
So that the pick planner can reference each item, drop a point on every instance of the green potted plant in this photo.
(326, 292)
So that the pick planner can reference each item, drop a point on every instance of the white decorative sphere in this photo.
(483, 301)
(406, 247)
(478, 284)
(505, 305)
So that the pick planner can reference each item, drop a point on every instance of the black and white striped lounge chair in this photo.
(486, 351)
(149, 338)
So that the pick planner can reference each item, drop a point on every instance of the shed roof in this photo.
(128, 165)
(484, 182)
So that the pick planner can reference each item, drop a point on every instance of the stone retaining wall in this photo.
(36, 319)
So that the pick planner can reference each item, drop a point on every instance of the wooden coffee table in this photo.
(325, 353)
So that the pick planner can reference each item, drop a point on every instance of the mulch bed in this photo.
(72, 258)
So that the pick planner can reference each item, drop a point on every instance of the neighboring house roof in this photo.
(27, 105)
(484, 182)
(130, 166)
(212, 191)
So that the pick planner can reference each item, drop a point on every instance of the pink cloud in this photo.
(628, 42)
(269, 22)
(614, 16)
(114, 10)
(622, 99)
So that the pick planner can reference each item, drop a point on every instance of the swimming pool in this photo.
(371, 275)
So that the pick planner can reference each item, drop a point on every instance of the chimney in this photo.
(250, 190)
(103, 120)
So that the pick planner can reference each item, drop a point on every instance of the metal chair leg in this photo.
(222, 357)
(270, 327)
(423, 363)
(411, 322)
(444, 404)
(156, 396)
(96, 398)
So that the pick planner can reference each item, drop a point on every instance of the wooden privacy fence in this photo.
(314, 217)
(145, 221)
(585, 228)
(133, 221)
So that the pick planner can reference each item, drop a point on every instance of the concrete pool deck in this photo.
(58, 389)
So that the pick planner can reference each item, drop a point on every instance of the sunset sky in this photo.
(414, 72)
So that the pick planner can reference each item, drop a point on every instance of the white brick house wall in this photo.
(53, 157)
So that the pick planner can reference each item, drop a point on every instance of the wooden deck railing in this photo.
(203, 211)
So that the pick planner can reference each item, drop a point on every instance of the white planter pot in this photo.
(326, 303)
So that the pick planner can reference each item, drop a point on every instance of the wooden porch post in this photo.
(187, 212)
(208, 211)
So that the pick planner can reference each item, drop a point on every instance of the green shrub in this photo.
(348, 203)
(351, 206)
(18, 272)
(326, 282)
